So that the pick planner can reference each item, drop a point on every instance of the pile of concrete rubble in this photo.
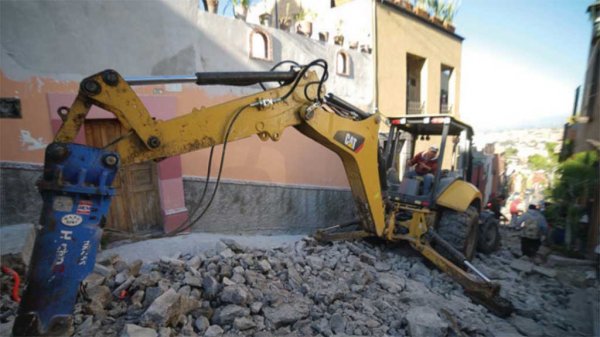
(313, 289)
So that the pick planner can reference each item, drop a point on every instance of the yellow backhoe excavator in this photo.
(76, 183)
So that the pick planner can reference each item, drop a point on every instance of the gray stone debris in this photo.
(214, 331)
(522, 265)
(425, 322)
(132, 330)
(163, 310)
(286, 314)
(310, 289)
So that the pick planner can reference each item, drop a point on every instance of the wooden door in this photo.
(136, 204)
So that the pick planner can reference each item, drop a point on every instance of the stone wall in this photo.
(20, 201)
(238, 208)
(245, 208)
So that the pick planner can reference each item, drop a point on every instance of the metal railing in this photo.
(414, 108)
(445, 108)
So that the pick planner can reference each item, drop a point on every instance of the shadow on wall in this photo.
(69, 40)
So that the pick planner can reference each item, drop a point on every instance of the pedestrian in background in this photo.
(514, 212)
(534, 230)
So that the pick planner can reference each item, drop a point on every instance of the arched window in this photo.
(342, 63)
(260, 45)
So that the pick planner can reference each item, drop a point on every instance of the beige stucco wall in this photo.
(398, 34)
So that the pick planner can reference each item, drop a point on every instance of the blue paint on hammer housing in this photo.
(76, 191)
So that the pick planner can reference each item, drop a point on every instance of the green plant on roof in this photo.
(305, 15)
(245, 3)
(421, 4)
(437, 7)
(450, 11)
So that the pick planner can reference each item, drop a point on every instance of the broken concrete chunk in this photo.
(243, 323)
(337, 323)
(163, 310)
(201, 324)
(315, 262)
(234, 294)
(255, 307)
(213, 331)
(132, 330)
(264, 266)
(286, 314)
(104, 270)
(194, 262)
(527, 326)
(94, 280)
(545, 271)
(210, 286)
(368, 258)
(227, 253)
(120, 266)
(425, 322)
(225, 315)
(193, 281)
(135, 267)
(522, 265)
(391, 282)
(555, 260)
(234, 245)
(100, 294)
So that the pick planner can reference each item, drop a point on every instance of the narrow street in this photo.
(305, 288)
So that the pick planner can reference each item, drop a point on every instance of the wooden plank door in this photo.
(136, 204)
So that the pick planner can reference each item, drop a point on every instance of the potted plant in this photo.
(438, 9)
(211, 5)
(285, 21)
(324, 36)
(304, 22)
(406, 4)
(365, 48)
(265, 19)
(421, 9)
(338, 39)
(240, 9)
(449, 13)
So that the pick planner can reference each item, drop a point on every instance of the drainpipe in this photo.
(276, 14)
(375, 63)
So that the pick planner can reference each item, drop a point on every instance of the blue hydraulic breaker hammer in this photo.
(76, 191)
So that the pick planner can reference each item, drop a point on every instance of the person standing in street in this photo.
(534, 230)
(514, 212)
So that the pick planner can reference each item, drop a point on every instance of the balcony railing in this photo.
(445, 108)
(414, 108)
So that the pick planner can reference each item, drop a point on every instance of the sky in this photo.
(521, 61)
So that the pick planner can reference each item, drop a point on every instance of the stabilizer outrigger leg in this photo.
(481, 290)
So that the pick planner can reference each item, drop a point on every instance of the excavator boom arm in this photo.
(76, 183)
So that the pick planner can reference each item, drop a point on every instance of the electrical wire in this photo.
(277, 65)
(187, 224)
(220, 171)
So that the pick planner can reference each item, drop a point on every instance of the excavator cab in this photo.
(409, 136)
(450, 192)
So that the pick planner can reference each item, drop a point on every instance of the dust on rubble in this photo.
(313, 289)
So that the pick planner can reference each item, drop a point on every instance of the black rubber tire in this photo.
(460, 230)
(489, 234)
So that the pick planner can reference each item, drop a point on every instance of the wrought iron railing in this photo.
(414, 108)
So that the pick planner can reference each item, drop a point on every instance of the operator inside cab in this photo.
(424, 164)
